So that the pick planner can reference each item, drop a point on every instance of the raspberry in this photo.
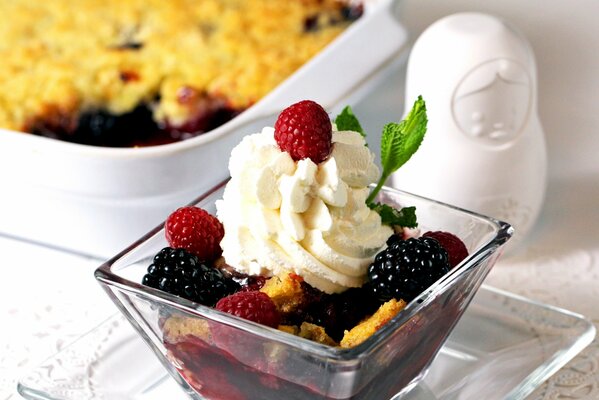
(304, 130)
(456, 249)
(407, 268)
(254, 306)
(196, 231)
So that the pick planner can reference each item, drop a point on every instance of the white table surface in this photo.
(49, 298)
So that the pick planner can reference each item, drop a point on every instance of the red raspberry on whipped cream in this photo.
(304, 131)
(283, 215)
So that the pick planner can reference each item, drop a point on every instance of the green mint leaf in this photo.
(347, 121)
(405, 217)
(399, 142)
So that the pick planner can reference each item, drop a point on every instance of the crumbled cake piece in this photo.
(289, 296)
(291, 329)
(178, 60)
(369, 326)
(315, 333)
(285, 291)
(176, 328)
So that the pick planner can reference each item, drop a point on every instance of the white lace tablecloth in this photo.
(49, 298)
(561, 267)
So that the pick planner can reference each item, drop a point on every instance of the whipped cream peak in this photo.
(311, 219)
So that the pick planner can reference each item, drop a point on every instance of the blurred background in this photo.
(563, 36)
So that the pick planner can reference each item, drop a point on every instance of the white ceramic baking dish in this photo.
(95, 200)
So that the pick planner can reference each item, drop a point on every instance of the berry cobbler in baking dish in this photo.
(137, 72)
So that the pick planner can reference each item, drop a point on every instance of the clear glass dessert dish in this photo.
(220, 356)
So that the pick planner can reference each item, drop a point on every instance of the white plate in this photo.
(503, 348)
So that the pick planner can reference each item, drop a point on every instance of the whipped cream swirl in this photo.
(285, 216)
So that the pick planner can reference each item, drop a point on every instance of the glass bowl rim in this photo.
(503, 232)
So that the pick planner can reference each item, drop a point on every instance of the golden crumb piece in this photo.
(292, 329)
(315, 333)
(367, 327)
(176, 328)
(285, 291)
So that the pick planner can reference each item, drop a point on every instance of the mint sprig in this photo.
(405, 216)
(347, 121)
(399, 142)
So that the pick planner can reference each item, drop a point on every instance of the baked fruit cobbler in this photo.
(137, 73)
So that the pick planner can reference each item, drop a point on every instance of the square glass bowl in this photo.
(220, 356)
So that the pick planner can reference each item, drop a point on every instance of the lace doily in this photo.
(570, 281)
(47, 306)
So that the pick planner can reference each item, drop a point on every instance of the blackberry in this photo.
(456, 249)
(352, 13)
(406, 268)
(103, 128)
(393, 239)
(337, 313)
(181, 273)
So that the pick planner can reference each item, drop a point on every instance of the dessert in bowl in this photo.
(324, 290)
